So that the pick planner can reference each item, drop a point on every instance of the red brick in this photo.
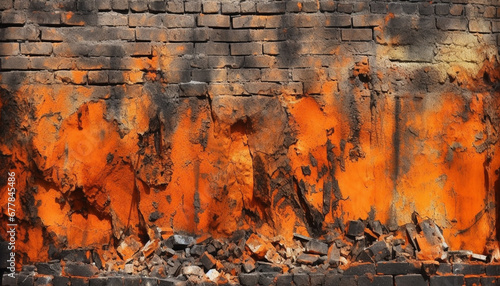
(178, 49)
(367, 20)
(271, 48)
(214, 21)
(144, 20)
(357, 34)
(495, 26)
(36, 48)
(178, 21)
(218, 89)
(275, 75)
(9, 49)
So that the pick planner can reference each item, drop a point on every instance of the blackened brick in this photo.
(261, 61)
(243, 75)
(223, 35)
(103, 5)
(450, 280)
(327, 6)
(178, 21)
(9, 49)
(444, 268)
(13, 17)
(370, 20)
(87, 63)
(249, 279)
(208, 75)
(266, 35)
(383, 280)
(338, 21)
(493, 269)
(14, 63)
(119, 5)
(425, 8)
(51, 63)
(468, 269)
(360, 269)
(156, 35)
(349, 280)
(216, 49)
(98, 281)
(411, 279)
(489, 281)
(188, 35)
(442, 9)
(316, 279)
(409, 8)
(79, 269)
(97, 77)
(238, 49)
(452, 24)
(275, 75)
(395, 8)
(456, 10)
(79, 19)
(378, 7)
(49, 268)
(225, 62)
(45, 18)
(112, 19)
(356, 35)
(396, 268)
(344, 8)
(178, 49)
(19, 33)
(284, 280)
(76, 281)
(301, 279)
(149, 281)
(137, 49)
(157, 6)
(175, 7)
(36, 48)
(271, 7)
(144, 20)
(86, 5)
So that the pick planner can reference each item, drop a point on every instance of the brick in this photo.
(271, 7)
(153, 34)
(275, 75)
(178, 49)
(425, 8)
(327, 6)
(249, 279)
(248, 7)
(337, 21)
(9, 49)
(395, 8)
(87, 63)
(76, 77)
(238, 49)
(384, 280)
(271, 48)
(396, 268)
(71, 49)
(179, 21)
(370, 20)
(489, 281)
(216, 89)
(157, 6)
(119, 5)
(451, 24)
(492, 269)
(45, 18)
(86, 5)
(212, 48)
(215, 75)
(144, 20)
(19, 33)
(192, 7)
(456, 10)
(447, 280)
(249, 22)
(316, 247)
(243, 75)
(6, 4)
(97, 77)
(468, 269)
(223, 35)
(442, 9)
(411, 53)
(293, 6)
(472, 281)
(175, 7)
(305, 75)
(225, 62)
(14, 63)
(230, 8)
(137, 49)
(378, 7)
(490, 12)
(138, 5)
(13, 17)
(188, 35)
(49, 268)
(36, 48)
(409, 8)
(211, 7)
(106, 50)
(356, 34)
(214, 21)
(495, 26)
(259, 61)
(51, 63)
(344, 8)
(311, 20)
(360, 269)
(112, 19)
(266, 34)
(411, 279)
(79, 19)
(103, 5)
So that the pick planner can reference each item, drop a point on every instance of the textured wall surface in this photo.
(280, 116)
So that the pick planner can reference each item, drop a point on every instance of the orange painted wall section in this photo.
(377, 134)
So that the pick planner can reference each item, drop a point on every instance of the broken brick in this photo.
(315, 246)
(208, 260)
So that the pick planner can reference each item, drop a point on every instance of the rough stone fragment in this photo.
(308, 259)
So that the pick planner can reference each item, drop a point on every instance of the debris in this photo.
(213, 275)
(356, 228)
(315, 246)
(308, 259)
(258, 246)
(129, 246)
(208, 261)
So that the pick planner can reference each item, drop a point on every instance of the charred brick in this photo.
(411, 280)
(450, 280)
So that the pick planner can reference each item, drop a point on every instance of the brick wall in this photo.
(279, 116)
